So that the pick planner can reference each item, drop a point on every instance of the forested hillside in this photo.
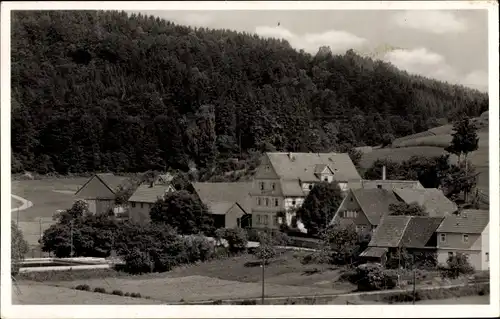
(97, 91)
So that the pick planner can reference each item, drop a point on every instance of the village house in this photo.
(283, 180)
(228, 203)
(366, 207)
(99, 192)
(146, 195)
(467, 233)
(415, 234)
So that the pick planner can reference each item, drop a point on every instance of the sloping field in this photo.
(398, 141)
(39, 294)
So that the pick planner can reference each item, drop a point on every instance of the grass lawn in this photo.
(38, 294)
(235, 277)
(469, 300)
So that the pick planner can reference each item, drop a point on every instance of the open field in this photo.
(47, 195)
(43, 193)
(236, 277)
(38, 294)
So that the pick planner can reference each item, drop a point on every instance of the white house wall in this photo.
(485, 248)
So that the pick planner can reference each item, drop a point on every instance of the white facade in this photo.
(485, 248)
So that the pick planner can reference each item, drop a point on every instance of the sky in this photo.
(448, 45)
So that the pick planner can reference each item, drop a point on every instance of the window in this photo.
(273, 186)
(261, 186)
(326, 179)
(266, 219)
(293, 202)
(267, 201)
(465, 238)
(133, 204)
(259, 201)
(443, 238)
(259, 221)
(142, 205)
(310, 186)
(268, 168)
(276, 220)
(238, 222)
(276, 202)
(487, 257)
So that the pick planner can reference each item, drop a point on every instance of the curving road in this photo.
(25, 203)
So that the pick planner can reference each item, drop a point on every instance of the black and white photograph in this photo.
(244, 153)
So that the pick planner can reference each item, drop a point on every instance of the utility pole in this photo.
(71, 236)
(414, 278)
(263, 274)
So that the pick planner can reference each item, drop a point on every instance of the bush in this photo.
(83, 287)
(236, 238)
(196, 248)
(117, 292)
(457, 266)
(135, 295)
(137, 262)
(100, 290)
(127, 294)
(317, 257)
(373, 276)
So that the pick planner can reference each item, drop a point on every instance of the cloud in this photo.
(430, 64)
(338, 41)
(438, 22)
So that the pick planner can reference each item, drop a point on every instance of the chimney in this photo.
(383, 173)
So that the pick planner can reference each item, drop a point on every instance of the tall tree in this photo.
(319, 207)
(465, 139)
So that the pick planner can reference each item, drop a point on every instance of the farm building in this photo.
(229, 203)
(99, 192)
(144, 197)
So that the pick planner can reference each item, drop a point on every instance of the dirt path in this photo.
(25, 203)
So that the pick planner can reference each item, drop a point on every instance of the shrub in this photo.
(135, 295)
(100, 290)
(236, 238)
(196, 248)
(83, 287)
(457, 265)
(117, 292)
(137, 262)
(373, 276)
(127, 294)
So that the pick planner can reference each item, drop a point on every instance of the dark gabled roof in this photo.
(374, 202)
(469, 221)
(147, 194)
(419, 231)
(292, 188)
(390, 231)
(221, 194)
(302, 166)
(110, 180)
(432, 199)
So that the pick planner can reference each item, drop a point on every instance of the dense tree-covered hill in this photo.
(111, 91)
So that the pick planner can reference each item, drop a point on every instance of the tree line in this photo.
(111, 91)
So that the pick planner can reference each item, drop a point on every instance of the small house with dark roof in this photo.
(467, 233)
(99, 192)
(365, 207)
(413, 233)
(145, 196)
(229, 203)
